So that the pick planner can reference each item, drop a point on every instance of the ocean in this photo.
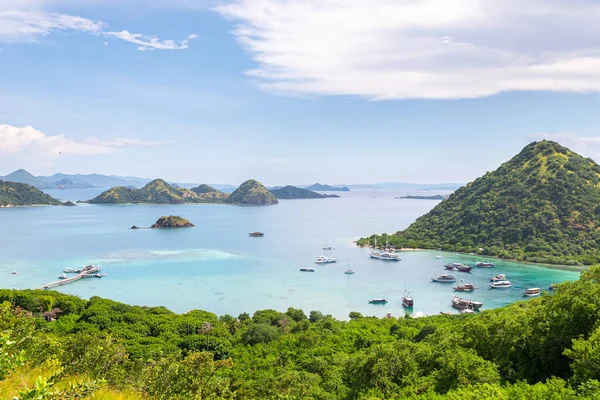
(215, 266)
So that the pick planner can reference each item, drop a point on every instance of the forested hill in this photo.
(544, 348)
(21, 194)
(541, 206)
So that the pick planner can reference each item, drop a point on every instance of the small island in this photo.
(171, 221)
(433, 197)
(295, 193)
(317, 187)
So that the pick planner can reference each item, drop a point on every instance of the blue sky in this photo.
(334, 91)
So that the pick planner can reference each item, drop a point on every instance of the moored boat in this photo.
(532, 292)
(349, 271)
(467, 287)
(482, 264)
(307, 269)
(256, 234)
(14, 273)
(500, 285)
(378, 301)
(325, 260)
(63, 276)
(388, 254)
(462, 304)
(407, 301)
(444, 278)
(439, 257)
(70, 270)
(498, 278)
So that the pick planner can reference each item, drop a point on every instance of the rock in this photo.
(134, 227)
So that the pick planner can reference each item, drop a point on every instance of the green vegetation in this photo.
(543, 348)
(541, 206)
(172, 221)
(209, 193)
(21, 194)
(292, 192)
(252, 193)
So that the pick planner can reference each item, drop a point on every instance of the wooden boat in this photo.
(444, 278)
(498, 278)
(467, 287)
(378, 301)
(458, 267)
(307, 269)
(462, 304)
(532, 292)
(256, 234)
(407, 301)
(482, 264)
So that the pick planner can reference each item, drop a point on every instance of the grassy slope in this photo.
(20, 194)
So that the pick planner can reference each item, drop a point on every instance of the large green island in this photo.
(21, 194)
(541, 206)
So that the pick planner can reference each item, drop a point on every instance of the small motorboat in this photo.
(532, 292)
(14, 273)
(439, 257)
(307, 269)
(256, 234)
(325, 260)
(482, 264)
(444, 278)
(498, 278)
(378, 301)
(500, 285)
(63, 276)
(467, 287)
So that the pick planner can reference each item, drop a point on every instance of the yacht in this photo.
(63, 276)
(386, 255)
(467, 287)
(500, 285)
(349, 271)
(307, 269)
(532, 292)
(325, 260)
(444, 278)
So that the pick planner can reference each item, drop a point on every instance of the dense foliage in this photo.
(541, 206)
(544, 348)
(252, 192)
(292, 192)
(21, 194)
(172, 221)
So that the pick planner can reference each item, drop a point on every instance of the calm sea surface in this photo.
(216, 267)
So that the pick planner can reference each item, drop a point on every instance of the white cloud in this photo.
(584, 145)
(438, 49)
(146, 43)
(18, 140)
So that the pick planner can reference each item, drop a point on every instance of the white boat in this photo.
(407, 300)
(70, 270)
(532, 292)
(14, 273)
(482, 264)
(439, 257)
(327, 247)
(325, 260)
(63, 276)
(444, 278)
(500, 285)
(386, 255)
(349, 271)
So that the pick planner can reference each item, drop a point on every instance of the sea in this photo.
(215, 266)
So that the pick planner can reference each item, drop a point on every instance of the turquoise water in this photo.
(216, 267)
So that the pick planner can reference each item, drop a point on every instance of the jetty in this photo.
(90, 271)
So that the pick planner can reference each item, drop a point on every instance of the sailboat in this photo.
(349, 271)
(326, 247)
(385, 255)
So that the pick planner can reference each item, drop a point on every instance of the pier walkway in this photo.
(90, 271)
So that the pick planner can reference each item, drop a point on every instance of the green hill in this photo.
(172, 221)
(21, 194)
(252, 193)
(156, 192)
(541, 206)
(292, 192)
(209, 193)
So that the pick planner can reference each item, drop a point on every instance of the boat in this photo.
(325, 260)
(378, 301)
(465, 304)
(388, 315)
(467, 311)
(14, 273)
(256, 234)
(532, 292)
(307, 269)
(439, 257)
(444, 278)
(482, 264)
(500, 285)
(63, 276)
(497, 278)
(386, 255)
(70, 271)
(349, 271)
(326, 247)
(467, 287)
(458, 267)
(407, 300)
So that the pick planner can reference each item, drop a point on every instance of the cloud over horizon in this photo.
(430, 49)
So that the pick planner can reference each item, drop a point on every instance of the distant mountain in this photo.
(406, 186)
(21, 194)
(209, 193)
(326, 188)
(292, 192)
(252, 193)
(21, 176)
(434, 197)
(541, 206)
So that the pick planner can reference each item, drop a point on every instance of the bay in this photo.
(217, 267)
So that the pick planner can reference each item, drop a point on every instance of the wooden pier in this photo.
(90, 271)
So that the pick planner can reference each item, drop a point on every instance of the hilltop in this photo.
(293, 192)
(209, 193)
(541, 206)
(21, 194)
(326, 188)
(252, 192)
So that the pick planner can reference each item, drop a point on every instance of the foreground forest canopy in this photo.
(541, 206)
(544, 348)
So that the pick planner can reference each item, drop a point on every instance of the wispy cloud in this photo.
(403, 49)
(17, 140)
(146, 43)
(585, 145)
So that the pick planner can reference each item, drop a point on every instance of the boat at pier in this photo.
(63, 276)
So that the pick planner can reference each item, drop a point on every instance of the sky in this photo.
(294, 91)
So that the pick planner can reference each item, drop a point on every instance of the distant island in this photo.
(172, 221)
(293, 193)
(158, 191)
(317, 187)
(542, 206)
(434, 197)
(21, 194)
